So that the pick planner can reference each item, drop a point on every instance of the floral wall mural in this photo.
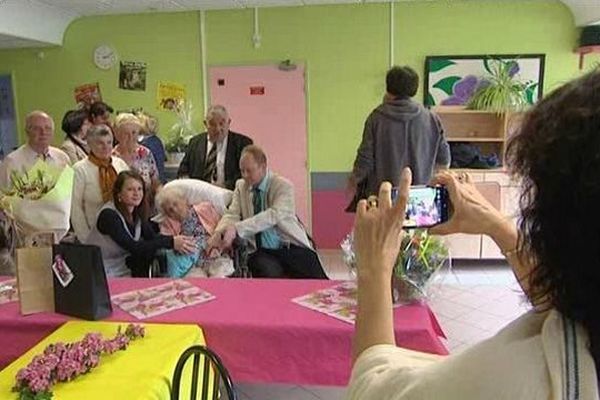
(452, 80)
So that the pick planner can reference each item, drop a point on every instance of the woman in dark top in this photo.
(125, 236)
(151, 140)
(75, 124)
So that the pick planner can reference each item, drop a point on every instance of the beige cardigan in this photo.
(74, 152)
(539, 356)
(280, 213)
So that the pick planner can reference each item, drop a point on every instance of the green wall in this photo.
(168, 43)
(345, 49)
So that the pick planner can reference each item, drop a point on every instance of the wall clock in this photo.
(105, 57)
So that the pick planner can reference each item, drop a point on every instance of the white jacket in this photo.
(539, 356)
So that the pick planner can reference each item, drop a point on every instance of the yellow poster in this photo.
(170, 95)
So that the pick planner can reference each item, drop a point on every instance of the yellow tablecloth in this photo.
(143, 371)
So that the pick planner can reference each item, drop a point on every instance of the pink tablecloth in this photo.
(260, 334)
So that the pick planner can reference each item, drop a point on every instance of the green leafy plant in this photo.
(182, 130)
(500, 92)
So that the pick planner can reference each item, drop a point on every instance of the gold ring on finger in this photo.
(372, 202)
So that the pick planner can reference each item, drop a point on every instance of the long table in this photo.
(259, 333)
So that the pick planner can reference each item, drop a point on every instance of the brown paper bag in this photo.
(34, 277)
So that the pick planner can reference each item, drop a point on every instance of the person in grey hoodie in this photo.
(399, 133)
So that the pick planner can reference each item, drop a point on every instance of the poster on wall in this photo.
(87, 94)
(452, 80)
(132, 75)
(169, 95)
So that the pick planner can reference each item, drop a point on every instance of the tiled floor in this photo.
(473, 303)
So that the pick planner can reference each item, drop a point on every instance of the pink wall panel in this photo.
(330, 222)
(269, 106)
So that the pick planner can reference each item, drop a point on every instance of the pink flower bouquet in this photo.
(62, 362)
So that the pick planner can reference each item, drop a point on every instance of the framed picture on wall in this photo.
(452, 80)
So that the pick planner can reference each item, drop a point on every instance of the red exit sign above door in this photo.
(257, 90)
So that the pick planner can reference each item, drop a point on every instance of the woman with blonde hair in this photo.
(139, 158)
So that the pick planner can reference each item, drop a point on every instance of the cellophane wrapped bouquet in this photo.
(423, 261)
(39, 199)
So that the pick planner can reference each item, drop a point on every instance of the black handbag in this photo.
(86, 294)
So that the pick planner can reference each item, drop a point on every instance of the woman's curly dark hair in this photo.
(556, 154)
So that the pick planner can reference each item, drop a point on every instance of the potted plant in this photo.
(180, 133)
(500, 92)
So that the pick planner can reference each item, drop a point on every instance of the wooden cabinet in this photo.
(489, 132)
(486, 130)
(497, 187)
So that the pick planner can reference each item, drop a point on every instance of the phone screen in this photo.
(427, 206)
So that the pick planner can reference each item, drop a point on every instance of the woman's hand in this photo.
(184, 244)
(378, 230)
(471, 212)
(377, 239)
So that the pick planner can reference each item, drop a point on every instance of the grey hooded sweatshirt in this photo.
(399, 133)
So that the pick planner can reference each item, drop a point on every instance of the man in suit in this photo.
(214, 156)
(262, 211)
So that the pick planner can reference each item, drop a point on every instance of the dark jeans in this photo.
(288, 262)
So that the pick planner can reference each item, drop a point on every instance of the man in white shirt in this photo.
(214, 156)
(40, 132)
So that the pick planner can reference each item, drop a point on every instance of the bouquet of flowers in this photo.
(421, 260)
(30, 187)
(40, 199)
(422, 256)
(63, 362)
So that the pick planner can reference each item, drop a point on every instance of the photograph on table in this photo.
(161, 299)
(338, 301)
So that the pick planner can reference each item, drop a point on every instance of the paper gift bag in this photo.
(80, 284)
(34, 279)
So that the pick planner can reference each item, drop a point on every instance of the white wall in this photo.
(31, 20)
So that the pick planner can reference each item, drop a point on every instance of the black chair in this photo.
(221, 379)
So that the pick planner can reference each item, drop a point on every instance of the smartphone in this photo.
(427, 206)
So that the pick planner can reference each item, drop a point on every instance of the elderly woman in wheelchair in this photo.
(186, 209)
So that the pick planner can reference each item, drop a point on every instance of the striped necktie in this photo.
(210, 167)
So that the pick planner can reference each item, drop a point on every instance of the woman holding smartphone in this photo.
(551, 352)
